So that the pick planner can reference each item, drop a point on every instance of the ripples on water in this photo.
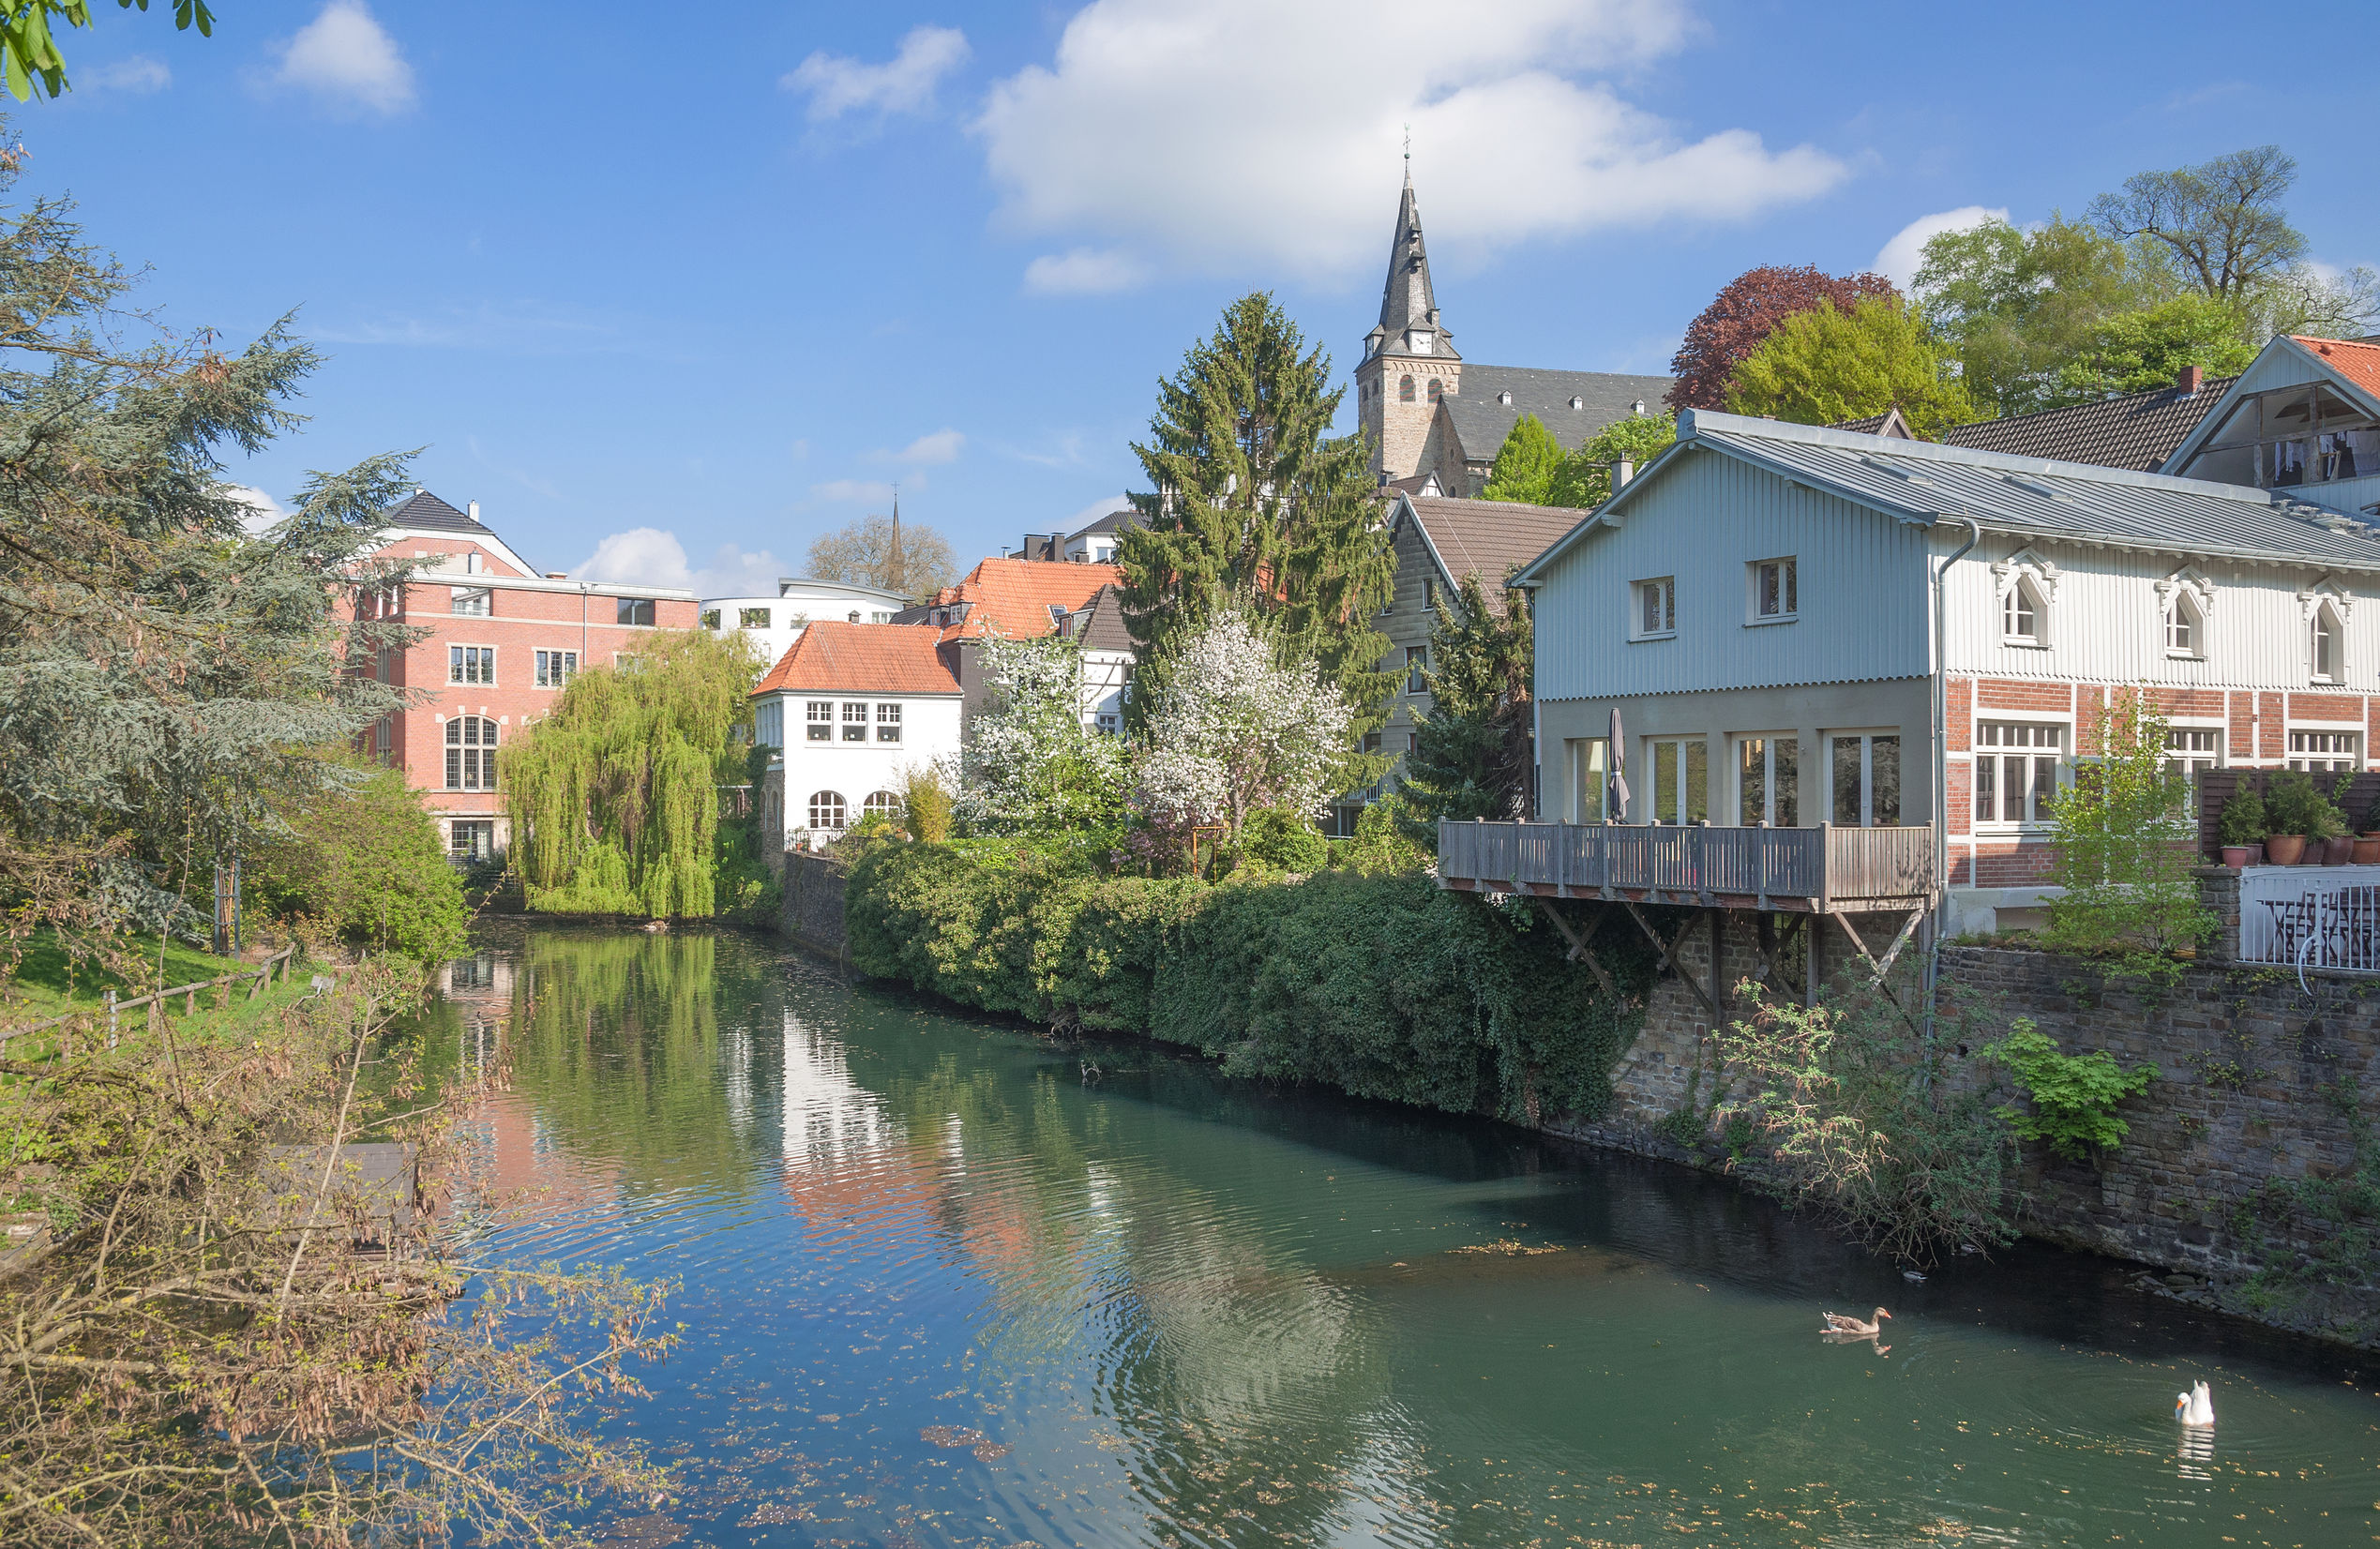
(941, 1291)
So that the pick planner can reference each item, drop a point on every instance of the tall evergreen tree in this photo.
(1526, 464)
(1472, 751)
(1256, 506)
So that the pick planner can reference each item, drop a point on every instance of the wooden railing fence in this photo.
(257, 978)
(1822, 867)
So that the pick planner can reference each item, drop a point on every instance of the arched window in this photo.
(471, 753)
(1405, 390)
(827, 810)
(2185, 627)
(2324, 649)
(2021, 612)
(880, 804)
(1438, 389)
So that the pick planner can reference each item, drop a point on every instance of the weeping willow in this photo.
(614, 796)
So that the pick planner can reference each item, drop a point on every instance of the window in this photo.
(2323, 752)
(1656, 613)
(471, 663)
(880, 804)
(887, 618)
(1405, 390)
(855, 723)
(751, 618)
(855, 617)
(471, 838)
(1769, 782)
(1111, 723)
(471, 753)
(827, 809)
(1417, 660)
(2189, 749)
(383, 734)
(555, 668)
(888, 723)
(710, 617)
(1371, 742)
(819, 720)
(473, 601)
(1775, 592)
(2323, 644)
(1681, 780)
(2185, 627)
(1438, 388)
(2015, 771)
(1590, 778)
(1866, 781)
(2021, 613)
(635, 610)
(1412, 744)
(1429, 592)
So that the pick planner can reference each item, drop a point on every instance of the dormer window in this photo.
(1505, 399)
(1577, 403)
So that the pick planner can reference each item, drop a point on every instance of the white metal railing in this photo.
(2311, 917)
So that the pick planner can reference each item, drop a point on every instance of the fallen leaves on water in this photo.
(1507, 1246)
(642, 1533)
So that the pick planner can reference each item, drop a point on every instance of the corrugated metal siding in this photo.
(2106, 624)
(1861, 582)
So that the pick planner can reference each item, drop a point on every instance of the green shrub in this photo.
(2294, 805)
(1280, 839)
(2073, 1095)
(1383, 841)
(2243, 821)
(1382, 986)
(361, 861)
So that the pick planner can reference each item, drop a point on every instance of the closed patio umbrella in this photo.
(1616, 787)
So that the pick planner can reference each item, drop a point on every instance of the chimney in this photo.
(557, 574)
(1621, 472)
(2192, 378)
(474, 510)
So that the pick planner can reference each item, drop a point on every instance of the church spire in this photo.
(1408, 309)
(896, 562)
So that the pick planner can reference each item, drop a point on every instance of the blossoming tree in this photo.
(1242, 724)
(1029, 764)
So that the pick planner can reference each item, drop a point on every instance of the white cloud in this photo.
(859, 490)
(837, 85)
(345, 60)
(1162, 134)
(263, 511)
(138, 76)
(936, 446)
(1897, 259)
(650, 556)
(1084, 271)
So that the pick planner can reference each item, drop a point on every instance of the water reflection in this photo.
(942, 1291)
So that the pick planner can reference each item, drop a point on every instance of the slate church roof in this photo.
(1483, 420)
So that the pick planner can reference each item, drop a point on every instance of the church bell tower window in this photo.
(1405, 390)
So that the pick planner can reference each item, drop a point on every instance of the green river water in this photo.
(941, 1289)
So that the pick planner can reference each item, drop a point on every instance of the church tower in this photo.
(1408, 361)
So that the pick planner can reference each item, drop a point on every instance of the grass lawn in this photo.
(48, 984)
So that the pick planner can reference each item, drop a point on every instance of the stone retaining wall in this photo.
(813, 915)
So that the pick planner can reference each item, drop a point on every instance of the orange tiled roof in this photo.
(833, 657)
(2353, 359)
(1013, 598)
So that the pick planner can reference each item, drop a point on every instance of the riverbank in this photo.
(2248, 1183)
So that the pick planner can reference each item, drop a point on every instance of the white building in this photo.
(774, 623)
(852, 708)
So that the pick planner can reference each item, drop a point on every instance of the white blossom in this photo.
(1029, 763)
(1237, 728)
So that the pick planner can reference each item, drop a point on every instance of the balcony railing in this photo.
(1822, 868)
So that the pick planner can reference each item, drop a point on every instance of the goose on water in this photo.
(2196, 1406)
(1838, 1324)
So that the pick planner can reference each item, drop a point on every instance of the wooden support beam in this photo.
(1669, 956)
(1578, 939)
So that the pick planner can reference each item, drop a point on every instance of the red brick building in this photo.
(503, 642)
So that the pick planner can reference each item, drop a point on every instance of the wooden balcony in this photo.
(1824, 870)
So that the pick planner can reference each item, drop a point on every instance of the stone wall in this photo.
(813, 914)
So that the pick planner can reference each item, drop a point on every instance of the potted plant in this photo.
(2338, 842)
(2368, 837)
(2295, 813)
(2241, 828)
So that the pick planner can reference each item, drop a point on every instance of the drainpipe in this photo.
(1942, 769)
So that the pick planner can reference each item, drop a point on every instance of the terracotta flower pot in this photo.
(2368, 850)
(2284, 850)
(2237, 856)
(2338, 851)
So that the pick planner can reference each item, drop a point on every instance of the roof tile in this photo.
(834, 657)
(1488, 537)
(2138, 431)
(1013, 597)
(2358, 360)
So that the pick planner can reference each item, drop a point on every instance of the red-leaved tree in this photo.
(1741, 316)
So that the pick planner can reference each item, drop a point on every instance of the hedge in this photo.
(1384, 987)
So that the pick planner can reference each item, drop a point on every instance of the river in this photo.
(950, 1281)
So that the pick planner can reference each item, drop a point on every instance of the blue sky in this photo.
(674, 293)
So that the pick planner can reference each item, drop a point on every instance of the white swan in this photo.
(2196, 1406)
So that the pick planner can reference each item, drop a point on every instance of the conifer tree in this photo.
(1526, 464)
(1472, 751)
(1257, 506)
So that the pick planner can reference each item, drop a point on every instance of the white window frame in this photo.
(2060, 758)
(1589, 760)
(555, 668)
(1737, 744)
(459, 662)
(1664, 589)
(2185, 590)
(854, 720)
(888, 723)
(1789, 608)
(1867, 737)
(754, 618)
(470, 765)
(1679, 808)
(817, 720)
(2021, 577)
(2326, 635)
(831, 806)
(473, 602)
(881, 804)
(1416, 661)
(2332, 761)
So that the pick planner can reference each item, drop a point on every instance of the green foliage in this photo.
(1525, 464)
(2073, 1095)
(2243, 821)
(925, 805)
(615, 795)
(1383, 985)
(1583, 478)
(2133, 351)
(1384, 843)
(1861, 1126)
(1472, 751)
(30, 45)
(2294, 805)
(1823, 366)
(1029, 764)
(2125, 853)
(1254, 504)
(1278, 838)
(359, 859)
